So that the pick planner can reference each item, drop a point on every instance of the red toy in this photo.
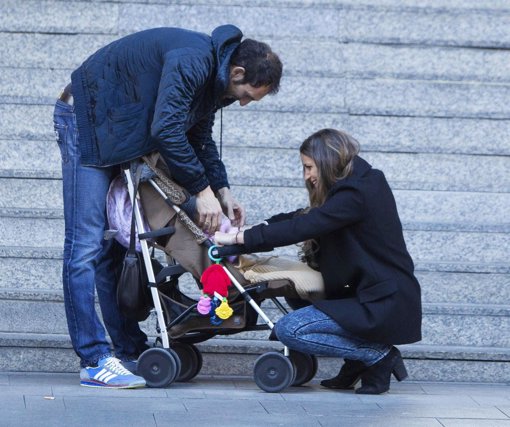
(214, 279)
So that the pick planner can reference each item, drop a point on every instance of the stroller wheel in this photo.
(306, 367)
(177, 361)
(191, 360)
(273, 372)
(158, 366)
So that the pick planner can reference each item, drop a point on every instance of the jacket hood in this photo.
(225, 39)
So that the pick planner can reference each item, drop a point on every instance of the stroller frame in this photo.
(180, 361)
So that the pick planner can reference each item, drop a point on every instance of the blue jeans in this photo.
(311, 331)
(88, 258)
(127, 338)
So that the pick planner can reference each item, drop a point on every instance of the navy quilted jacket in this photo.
(156, 90)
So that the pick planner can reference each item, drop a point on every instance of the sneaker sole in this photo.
(96, 384)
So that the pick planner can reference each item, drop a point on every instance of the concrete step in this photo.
(439, 265)
(355, 96)
(463, 288)
(343, 21)
(445, 172)
(419, 210)
(369, 21)
(31, 352)
(50, 51)
(423, 362)
(30, 271)
(431, 210)
(32, 195)
(372, 60)
(446, 324)
(425, 245)
(424, 98)
(425, 210)
(258, 129)
(32, 85)
(51, 17)
(282, 167)
(33, 50)
(31, 274)
(445, 26)
(17, 130)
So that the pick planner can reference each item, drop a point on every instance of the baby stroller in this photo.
(180, 323)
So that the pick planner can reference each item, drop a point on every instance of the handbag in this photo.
(133, 294)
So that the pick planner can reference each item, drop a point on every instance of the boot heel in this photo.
(399, 370)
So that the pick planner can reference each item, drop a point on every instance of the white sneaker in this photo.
(109, 372)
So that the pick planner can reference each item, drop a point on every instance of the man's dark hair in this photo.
(262, 66)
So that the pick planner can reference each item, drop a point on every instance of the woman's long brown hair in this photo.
(333, 152)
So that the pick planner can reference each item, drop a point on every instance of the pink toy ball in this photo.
(204, 305)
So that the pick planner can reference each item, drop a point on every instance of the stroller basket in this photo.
(184, 319)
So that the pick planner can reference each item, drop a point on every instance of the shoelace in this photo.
(115, 366)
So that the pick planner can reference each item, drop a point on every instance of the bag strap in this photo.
(132, 247)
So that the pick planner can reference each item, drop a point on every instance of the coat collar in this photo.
(360, 168)
(225, 40)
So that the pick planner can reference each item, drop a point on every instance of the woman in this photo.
(353, 236)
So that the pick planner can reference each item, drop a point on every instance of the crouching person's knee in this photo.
(284, 331)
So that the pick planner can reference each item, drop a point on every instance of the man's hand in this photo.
(232, 208)
(209, 210)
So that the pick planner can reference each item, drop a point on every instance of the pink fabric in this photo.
(118, 210)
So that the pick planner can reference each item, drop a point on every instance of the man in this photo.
(153, 90)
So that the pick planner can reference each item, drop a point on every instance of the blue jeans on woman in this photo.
(88, 260)
(311, 331)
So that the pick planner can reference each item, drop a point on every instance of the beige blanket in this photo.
(308, 282)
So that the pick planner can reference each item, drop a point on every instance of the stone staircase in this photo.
(423, 86)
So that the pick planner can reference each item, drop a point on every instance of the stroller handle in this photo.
(223, 251)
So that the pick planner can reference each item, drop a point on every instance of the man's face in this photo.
(243, 92)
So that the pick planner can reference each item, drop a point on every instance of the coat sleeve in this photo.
(205, 148)
(185, 73)
(283, 216)
(342, 209)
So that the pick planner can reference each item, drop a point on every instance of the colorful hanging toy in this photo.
(213, 301)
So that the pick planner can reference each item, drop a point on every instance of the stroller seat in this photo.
(284, 277)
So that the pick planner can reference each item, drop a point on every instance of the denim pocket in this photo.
(61, 136)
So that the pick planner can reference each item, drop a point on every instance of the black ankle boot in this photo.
(348, 377)
(376, 379)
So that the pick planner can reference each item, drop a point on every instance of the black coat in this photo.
(368, 273)
(157, 90)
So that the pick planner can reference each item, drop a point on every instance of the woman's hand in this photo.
(232, 238)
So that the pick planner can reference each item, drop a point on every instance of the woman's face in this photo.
(310, 172)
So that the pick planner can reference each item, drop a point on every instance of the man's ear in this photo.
(237, 74)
